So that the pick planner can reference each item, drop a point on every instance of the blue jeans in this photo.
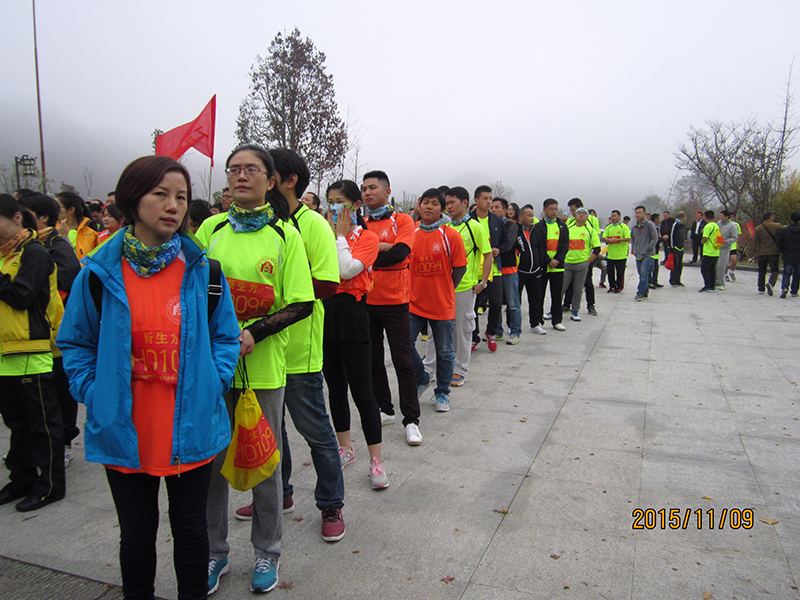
(306, 403)
(644, 266)
(442, 332)
(511, 295)
(791, 272)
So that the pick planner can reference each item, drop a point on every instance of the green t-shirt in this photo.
(622, 231)
(485, 222)
(710, 231)
(266, 272)
(581, 242)
(735, 244)
(304, 354)
(592, 222)
(474, 272)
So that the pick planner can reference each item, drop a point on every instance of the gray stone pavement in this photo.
(527, 488)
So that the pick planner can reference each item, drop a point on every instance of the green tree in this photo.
(788, 199)
(292, 104)
(653, 204)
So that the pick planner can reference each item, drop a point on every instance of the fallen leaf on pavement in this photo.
(769, 521)
(298, 519)
(555, 556)
(707, 596)
(305, 464)
(448, 579)
(502, 511)
(285, 585)
(708, 498)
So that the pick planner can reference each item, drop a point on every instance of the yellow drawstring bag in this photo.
(253, 454)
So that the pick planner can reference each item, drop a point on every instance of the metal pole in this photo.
(16, 168)
(39, 100)
(210, 175)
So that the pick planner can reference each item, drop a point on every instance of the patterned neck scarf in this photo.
(550, 221)
(243, 220)
(44, 233)
(15, 242)
(149, 261)
(384, 212)
(526, 228)
(431, 227)
(460, 221)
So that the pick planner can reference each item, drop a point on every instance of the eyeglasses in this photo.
(250, 171)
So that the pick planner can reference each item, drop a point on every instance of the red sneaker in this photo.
(245, 513)
(288, 504)
(492, 343)
(332, 524)
(474, 345)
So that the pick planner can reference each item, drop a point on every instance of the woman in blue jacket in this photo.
(151, 361)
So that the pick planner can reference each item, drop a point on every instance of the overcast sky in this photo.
(561, 99)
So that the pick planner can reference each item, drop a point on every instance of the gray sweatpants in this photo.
(267, 526)
(575, 273)
(723, 261)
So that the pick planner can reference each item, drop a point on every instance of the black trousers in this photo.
(773, 260)
(675, 274)
(394, 320)
(31, 412)
(696, 247)
(616, 273)
(347, 365)
(555, 280)
(494, 295)
(136, 499)
(532, 284)
(69, 407)
(708, 267)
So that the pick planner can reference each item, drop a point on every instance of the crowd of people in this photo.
(157, 311)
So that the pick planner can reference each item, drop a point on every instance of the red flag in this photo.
(751, 227)
(198, 134)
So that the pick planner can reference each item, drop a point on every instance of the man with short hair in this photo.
(789, 245)
(111, 198)
(677, 239)
(532, 260)
(311, 200)
(593, 223)
(226, 200)
(696, 234)
(730, 234)
(644, 236)
(387, 303)
(711, 244)
(768, 252)
(666, 227)
(555, 234)
(438, 262)
(584, 247)
(618, 237)
(510, 279)
(500, 243)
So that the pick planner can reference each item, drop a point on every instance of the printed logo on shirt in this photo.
(577, 244)
(385, 234)
(436, 248)
(266, 267)
(251, 300)
(174, 309)
(552, 245)
(156, 357)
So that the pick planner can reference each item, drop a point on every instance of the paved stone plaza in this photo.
(527, 488)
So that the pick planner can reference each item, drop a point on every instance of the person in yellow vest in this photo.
(30, 312)
(711, 244)
(76, 224)
(584, 247)
(734, 257)
(618, 237)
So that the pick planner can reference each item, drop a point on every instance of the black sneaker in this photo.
(784, 293)
(592, 311)
(769, 289)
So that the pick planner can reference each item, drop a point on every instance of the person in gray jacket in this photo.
(729, 231)
(644, 236)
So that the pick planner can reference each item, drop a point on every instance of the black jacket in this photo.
(789, 244)
(508, 257)
(563, 242)
(497, 234)
(533, 254)
(66, 261)
(677, 236)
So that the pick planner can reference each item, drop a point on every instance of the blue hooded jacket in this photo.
(97, 360)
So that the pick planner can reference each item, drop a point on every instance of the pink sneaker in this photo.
(377, 477)
(347, 456)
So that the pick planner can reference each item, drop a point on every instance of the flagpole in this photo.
(39, 99)
(210, 175)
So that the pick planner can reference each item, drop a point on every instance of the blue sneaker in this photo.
(441, 403)
(421, 388)
(216, 569)
(265, 575)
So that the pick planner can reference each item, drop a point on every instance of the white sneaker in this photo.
(559, 327)
(68, 456)
(512, 340)
(413, 436)
(387, 419)
(548, 317)
(539, 329)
